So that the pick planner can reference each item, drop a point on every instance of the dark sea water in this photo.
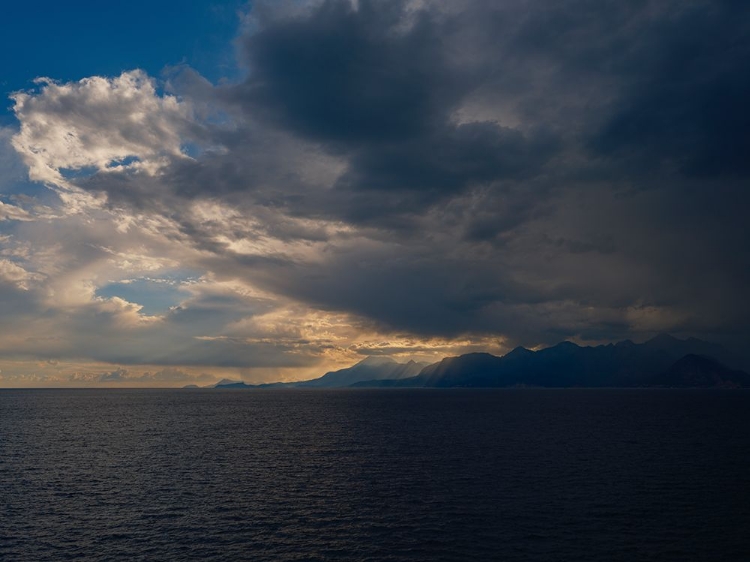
(542, 475)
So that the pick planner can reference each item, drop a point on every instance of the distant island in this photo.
(662, 362)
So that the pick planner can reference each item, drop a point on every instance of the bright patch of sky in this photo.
(155, 295)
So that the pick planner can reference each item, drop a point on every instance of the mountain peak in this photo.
(519, 351)
(699, 371)
(373, 360)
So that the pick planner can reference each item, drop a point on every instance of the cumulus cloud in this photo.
(98, 124)
(15, 274)
(13, 212)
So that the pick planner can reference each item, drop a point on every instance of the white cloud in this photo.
(98, 124)
(15, 274)
(11, 212)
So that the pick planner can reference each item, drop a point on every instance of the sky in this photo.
(271, 190)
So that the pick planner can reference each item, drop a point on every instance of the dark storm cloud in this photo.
(379, 86)
(350, 76)
(509, 124)
(450, 160)
(687, 104)
(536, 170)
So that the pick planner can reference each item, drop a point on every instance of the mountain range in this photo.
(663, 361)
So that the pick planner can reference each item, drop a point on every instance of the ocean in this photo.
(511, 474)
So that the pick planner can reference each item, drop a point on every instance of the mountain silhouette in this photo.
(369, 369)
(663, 361)
(239, 384)
(229, 383)
(696, 371)
(625, 364)
(373, 368)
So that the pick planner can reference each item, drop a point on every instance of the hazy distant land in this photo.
(663, 361)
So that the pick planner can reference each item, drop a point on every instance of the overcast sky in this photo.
(268, 191)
